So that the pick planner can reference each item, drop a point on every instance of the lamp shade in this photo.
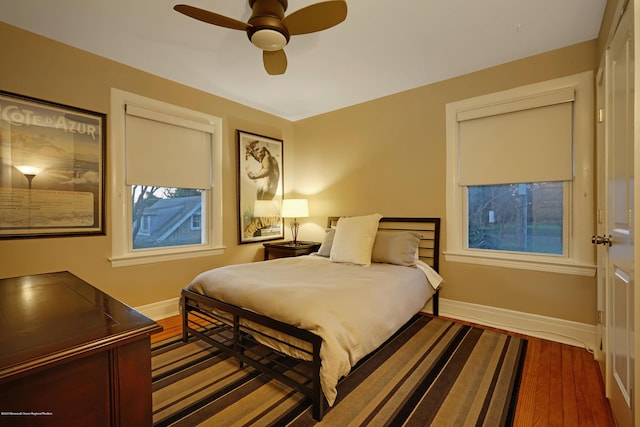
(29, 170)
(295, 208)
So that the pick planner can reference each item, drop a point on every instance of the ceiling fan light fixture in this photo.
(268, 39)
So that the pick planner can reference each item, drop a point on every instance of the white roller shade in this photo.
(166, 151)
(530, 144)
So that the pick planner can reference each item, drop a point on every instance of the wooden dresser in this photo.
(72, 355)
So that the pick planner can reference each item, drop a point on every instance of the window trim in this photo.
(122, 253)
(579, 256)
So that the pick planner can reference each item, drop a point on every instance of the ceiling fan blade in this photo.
(275, 62)
(211, 18)
(316, 17)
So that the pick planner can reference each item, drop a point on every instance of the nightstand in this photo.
(287, 249)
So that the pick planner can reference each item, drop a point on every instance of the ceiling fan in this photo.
(268, 28)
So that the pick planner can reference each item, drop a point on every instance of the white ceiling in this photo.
(383, 47)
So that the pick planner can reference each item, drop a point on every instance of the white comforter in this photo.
(354, 309)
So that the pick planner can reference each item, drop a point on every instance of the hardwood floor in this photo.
(172, 326)
(561, 384)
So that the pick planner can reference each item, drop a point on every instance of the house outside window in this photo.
(172, 211)
(145, 226)
(520, 177)
(196, 219)
(167, 170)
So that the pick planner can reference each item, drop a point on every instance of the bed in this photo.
(308, 320)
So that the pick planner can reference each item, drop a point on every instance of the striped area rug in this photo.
(432, 373)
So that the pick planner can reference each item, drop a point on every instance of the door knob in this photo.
(602, 240)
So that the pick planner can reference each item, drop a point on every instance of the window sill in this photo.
(148, 258)
(551, 265)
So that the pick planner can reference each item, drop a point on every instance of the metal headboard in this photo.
(429, 229)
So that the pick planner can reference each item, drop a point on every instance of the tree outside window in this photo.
(516, 217)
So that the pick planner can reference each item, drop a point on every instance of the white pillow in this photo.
(354, 239)
(325, 247)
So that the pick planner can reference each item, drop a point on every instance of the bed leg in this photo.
(237, 338)
(185, 319)
(317, 394)
(318, 409)
(436, 303)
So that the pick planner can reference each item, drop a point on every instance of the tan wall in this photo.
(40, 68)
(388, 156)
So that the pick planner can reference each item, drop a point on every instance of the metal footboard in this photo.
(236, 332)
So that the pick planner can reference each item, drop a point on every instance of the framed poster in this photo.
(51, 169)
(260, 185)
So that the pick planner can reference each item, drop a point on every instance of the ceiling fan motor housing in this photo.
(266, 24)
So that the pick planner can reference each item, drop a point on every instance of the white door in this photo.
(617, 239)
(602, 254)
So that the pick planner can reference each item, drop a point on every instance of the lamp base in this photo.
(295, 225)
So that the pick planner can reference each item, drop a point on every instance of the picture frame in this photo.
(52, 169)
(260, 187)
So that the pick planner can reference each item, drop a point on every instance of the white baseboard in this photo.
(161, 309)
(549, 328)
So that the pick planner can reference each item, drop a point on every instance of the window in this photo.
(144, 226)
(172, 210)
(166, 174)
(195, 221)
(519, 177)
(525, 217)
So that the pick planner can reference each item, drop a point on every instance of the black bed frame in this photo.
(219, 324)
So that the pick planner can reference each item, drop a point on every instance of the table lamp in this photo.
(295, 208)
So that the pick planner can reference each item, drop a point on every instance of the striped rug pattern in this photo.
(432, 373)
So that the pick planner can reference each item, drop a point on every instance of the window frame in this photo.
(122, 252)
(578, 253)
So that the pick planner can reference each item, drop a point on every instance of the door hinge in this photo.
(599, 219)
(600, 114)
(601, 317)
